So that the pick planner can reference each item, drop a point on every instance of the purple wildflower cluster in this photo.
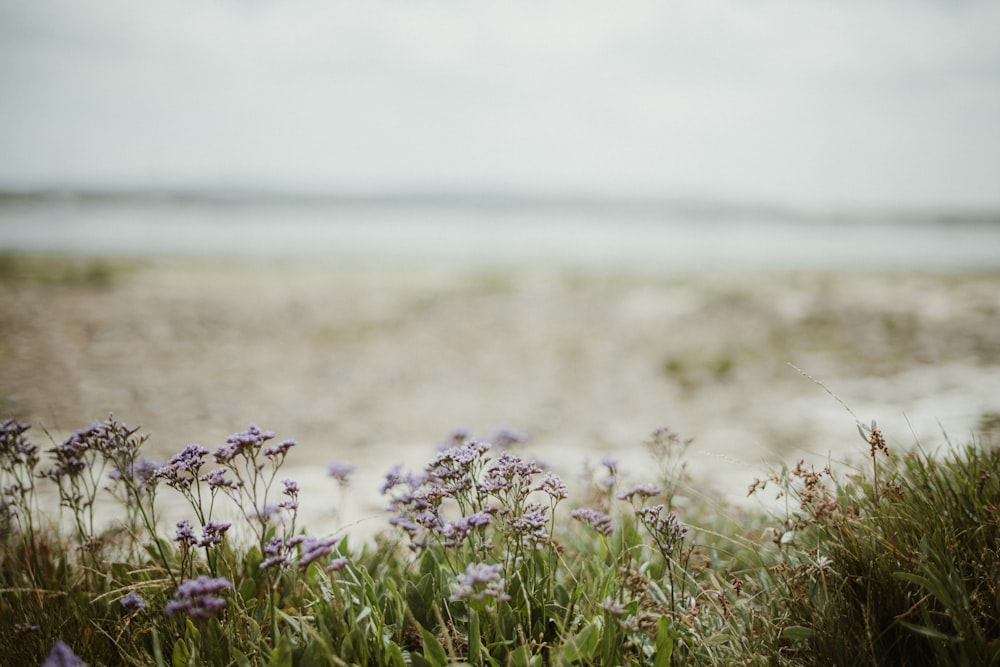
(479, 582)
(18, 459)
(641, 491)
(62, 655)
(247, 443)
(340, 472)
(280, 552)
(108, 440)
(663, 527)
(181, 471)
(211, 535)
(142, 473)
(132, 602)
(291, 492)
(490, 497)
(75, 454)
(199, 598)
(505, 438)
(312, 549)
(596, 519)
(417, 500)
(14, 447)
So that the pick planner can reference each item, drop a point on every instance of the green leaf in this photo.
(932, 633)
(475, 641)
(418, 660)
(521, 657)
(157, 649)
(394, 654)
(433, 650)
(314, 655)
(181, 654)
(281, 656)
(931, 587)
(798, 633)
(665, 636)
(248, 589)
(582, 646)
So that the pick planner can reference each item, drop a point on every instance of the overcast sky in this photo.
(814, 102)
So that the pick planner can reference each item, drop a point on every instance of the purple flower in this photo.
(611, 463)
(312, 549)
(144, 472)
(212, 532)
(185, 535)
(531, 523)
(641, 491)
(182, 468)
(14, 446)
(71, 456)
(553, 485)
(245, 443)
(340, 471)
(480, 581)
(275, 550)
(509, 472)
(292, 491)
(62, 655)
(599, 521)
(132, 602)
(277, 451)
(456, 532)
(217, 479)
(508, 437)
(199, 598)
(337, 564)
(662, 526)
(456, 438)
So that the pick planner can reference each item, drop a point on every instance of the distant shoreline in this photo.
(631, 207)
(468, 229)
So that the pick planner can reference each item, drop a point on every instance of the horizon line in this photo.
(702, 207)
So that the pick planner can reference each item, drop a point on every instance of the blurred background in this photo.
(364, 223)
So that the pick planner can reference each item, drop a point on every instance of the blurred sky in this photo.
(805, 102)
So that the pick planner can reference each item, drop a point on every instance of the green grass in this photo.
(63, 271)
(491, 561)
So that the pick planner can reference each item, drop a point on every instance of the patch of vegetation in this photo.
(490, 560)
(93, 272)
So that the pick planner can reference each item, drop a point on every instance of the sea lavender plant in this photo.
(199, 598)
(479, 582)
(132, 603)
(62, 655)
(341, 472)
(312, 549)
(599, 521)
(181, 473)
(668, 450)
(668, 535)
(416, 500)
(18, 458)
(254, 468)
(79, 464)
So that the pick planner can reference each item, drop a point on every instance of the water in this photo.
(479, 229)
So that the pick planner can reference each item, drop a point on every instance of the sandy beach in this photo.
(373, 363)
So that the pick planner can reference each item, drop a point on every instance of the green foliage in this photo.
(893, 565)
